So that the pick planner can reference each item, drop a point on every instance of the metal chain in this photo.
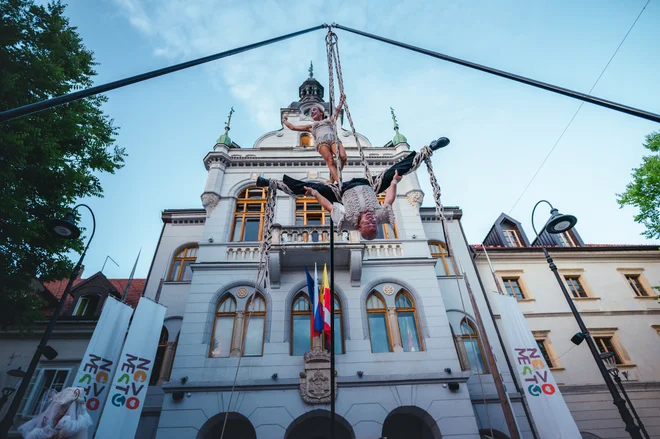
(329, 44)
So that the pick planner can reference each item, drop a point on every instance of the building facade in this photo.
(612, 288)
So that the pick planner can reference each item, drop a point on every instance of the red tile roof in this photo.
(57, 288)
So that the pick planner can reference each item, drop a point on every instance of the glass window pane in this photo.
(187, 271)
(254, 207)
(337, 334)
(474, 355)
(402, 301)
(300, 220)
(381, 232)
(378, 333)
(224, 328)
(53, 379)
(408, 329)
(255, 193)
(301, 338)
(174, 274)
(314, 220)
(238, 222)
(251, 229)
(254, 336)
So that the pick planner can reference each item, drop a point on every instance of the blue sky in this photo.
(500, 130)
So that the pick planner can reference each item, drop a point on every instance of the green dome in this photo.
(399, 138)
(226, 140)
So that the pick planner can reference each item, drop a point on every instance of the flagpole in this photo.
(332, 330)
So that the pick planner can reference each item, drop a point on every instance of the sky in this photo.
(500, 130)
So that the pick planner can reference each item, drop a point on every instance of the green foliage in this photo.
(47, 160)
(643, 191)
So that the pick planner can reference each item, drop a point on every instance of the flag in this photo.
(98, 366)
(326, 298)
(128, 391)
(549, 410)
(316, 304)
(312, 289)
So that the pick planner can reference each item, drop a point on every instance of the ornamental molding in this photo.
(415, 198)
(242, 292)
(315, 380)
(210, 201)
(388, 290)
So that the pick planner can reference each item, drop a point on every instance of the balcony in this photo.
(297, 246)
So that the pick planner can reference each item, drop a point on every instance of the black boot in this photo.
(262, 182)
(440, 143)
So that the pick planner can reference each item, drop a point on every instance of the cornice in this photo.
(184, 216)
(627, 312)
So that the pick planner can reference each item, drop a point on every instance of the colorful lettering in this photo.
(128, 365)
(534, 390)
(527, 370)
(102, 377)
(132, 403)
(140, 376)
(548, 389)
(93, 404)
(124, 377)
(118, 400)
(87, 377)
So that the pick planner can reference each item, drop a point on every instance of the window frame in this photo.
(385, 228)
(508, 240)
(566, 239)
(414, 311)
(305, 201)
(215, 322)
(611, 334)
(637, 288)
(301, 295)
(542, 336)
(444, 256)
(86, 297)
(243, 200)
(185, 258)
(571, 280)
(162, 346)
(308, 136)
(387, 320)
(29, 404)
(474, 336)
(339, 312)
(601, 343)
(246, 324)
(515, 278)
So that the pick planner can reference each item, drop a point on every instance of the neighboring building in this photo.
(406, 341)
(612, 288)
(70, 337)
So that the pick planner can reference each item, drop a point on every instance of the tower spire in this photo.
(225, 139)
(398, 137)
(311, 69)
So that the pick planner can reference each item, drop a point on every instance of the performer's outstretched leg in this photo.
(297, 187)
(406, 165)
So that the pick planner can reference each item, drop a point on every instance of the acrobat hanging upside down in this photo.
(359, 208)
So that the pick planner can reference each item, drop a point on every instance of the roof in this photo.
(586, 247)
(57, 288)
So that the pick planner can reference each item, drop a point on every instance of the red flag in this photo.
(327, 296)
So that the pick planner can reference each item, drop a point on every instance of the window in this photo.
(636, 284)
(544, 351)
(42, 382)
(384, 230)
(407, 319)
(566, 240)
(301, 325)
(605, 344)
(249, 215)
(377, 317)
(223, 328)
(439, 250)
(160, 355)
(86, 305)
(305, 140)
(575, 287)
(511, 238)
(513, 287)
(338, 328)
(310, 213)
(473, 348)
(255, 326)
(180, 270)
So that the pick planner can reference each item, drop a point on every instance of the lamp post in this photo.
(559, 223)
(610, 362)
(8, 391)
(65, 228)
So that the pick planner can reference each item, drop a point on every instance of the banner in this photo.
(100, 361)
(129, 386)
(547, 406)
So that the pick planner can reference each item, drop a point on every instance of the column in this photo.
(166, 366)
(237, 339)
(395, 334)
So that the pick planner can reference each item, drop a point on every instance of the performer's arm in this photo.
(342, 99)
(324, 202)
(391, 191)
(292, 127)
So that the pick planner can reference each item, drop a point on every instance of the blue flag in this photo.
(313, 290)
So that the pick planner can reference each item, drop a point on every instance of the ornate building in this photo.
(408, 357)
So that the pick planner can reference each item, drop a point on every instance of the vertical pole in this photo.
(617, 378)
(332, 330)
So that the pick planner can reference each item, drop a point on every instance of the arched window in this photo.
(408, 327)
(473, 347)
(439, 250)
(338, 328)
(377, 317)
(249, 215)
(160, 355)
(255, 326)
(384, 230)
(310, 213)
(86, 305)
(223, 328)
(305, 140)
(301, 325)
(180, 270)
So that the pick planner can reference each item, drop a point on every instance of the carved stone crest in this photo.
(415, 199)
(315, 380)
(242, 292)
(388, 290)
(209, 201)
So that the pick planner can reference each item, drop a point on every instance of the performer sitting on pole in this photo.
(356, 206)
(324, 136)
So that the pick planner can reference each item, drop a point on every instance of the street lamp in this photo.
(8, 391)
(65, 228)
(610, 362)
(560, 223)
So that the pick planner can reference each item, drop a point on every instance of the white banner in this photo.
(549, 410)
(129, 387)
(100, 361)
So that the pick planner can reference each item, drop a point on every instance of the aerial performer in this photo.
(356, 206)
(323, 132)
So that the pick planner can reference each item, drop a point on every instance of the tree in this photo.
(50, 159)
(643, 191)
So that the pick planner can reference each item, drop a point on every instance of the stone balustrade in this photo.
(285, 235)
(383, 250)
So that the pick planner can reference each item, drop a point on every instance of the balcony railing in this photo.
(381, 250)
(285, 235)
